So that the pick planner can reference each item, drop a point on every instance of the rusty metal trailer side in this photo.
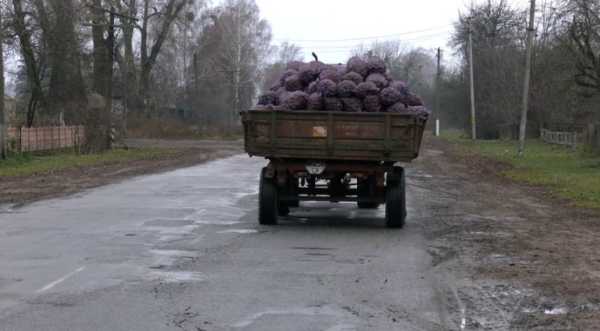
(386, 137)
(332, 156)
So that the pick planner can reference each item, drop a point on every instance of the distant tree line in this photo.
(76, 57)
(565, 83)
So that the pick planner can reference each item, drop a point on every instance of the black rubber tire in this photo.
(283, 209)
(368, 205)
(267, 201)
(395, 201)
(364, 190)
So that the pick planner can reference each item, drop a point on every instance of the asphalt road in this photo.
(183, 251)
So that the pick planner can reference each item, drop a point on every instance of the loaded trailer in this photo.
(332, 156)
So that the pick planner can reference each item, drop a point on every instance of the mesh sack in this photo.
(354, 77)
(296, 101)
(352, 104)
(286, 74)
(399, 108)
(327, 88)
(311, 71)
(357, 65)
(366, 88)
(331, 74)
(312, 87)
(414, 100)
(372, 104)
(269, 98)
(378, 79)
(376, 65)
(315, 102)
(333, 104)
(293, 83)
(390, 96)
(346, 89)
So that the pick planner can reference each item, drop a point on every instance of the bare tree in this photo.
(31, 63)
(2, 115)
(584, 16)
(167, 14)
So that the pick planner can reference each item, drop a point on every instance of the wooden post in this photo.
(2, 116)
(530, 40)
(472, 85)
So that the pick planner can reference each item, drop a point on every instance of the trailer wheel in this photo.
(283, 209)
(267, 200)
(364, 190)
(395, 200)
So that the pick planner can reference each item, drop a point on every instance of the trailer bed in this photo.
(322, 135)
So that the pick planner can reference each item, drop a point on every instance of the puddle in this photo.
(556, 311)
(239, 231)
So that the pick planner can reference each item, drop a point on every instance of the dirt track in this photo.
(522, 260)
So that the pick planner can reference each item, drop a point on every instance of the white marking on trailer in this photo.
(60, 280)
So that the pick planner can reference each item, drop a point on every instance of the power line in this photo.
(362, 38)
(352, 46)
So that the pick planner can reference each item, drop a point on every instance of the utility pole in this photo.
(530, 36)
(471, 84)
(2, 116)
(437, 91)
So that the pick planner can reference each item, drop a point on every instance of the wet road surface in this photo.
(183, 251)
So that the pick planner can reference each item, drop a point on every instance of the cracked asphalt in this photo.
(183, 251)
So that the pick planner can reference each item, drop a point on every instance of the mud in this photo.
(522, 260)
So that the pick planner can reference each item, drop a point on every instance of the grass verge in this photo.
(569, 174)
(31, 164)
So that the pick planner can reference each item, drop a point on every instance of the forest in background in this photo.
(139, 64)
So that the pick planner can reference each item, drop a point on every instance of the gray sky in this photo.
(343, 24)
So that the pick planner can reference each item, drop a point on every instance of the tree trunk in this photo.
(170, 13)
(2, 116)
(67, 90)
(98, 118)
(33, 74)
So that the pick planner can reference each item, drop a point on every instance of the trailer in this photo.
(332, 156)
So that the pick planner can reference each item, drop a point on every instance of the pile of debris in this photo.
(362, 85)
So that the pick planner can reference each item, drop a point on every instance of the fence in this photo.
(44, 138)
(560, 138)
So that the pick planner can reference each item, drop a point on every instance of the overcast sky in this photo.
(331, 28)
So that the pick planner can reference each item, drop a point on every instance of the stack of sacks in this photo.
(359, 86)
